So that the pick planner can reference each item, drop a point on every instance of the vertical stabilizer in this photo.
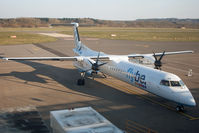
(76, 36)
(80, 48)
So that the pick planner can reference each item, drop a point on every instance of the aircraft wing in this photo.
(176, 52)
(75, 58)
(159, 54)
(40, 58)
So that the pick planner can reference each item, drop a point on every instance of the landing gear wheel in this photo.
(104, 75)
(83, 81)
(180, 108)
(80, 81)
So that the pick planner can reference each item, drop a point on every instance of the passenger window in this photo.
(164, 82)
(175, 83)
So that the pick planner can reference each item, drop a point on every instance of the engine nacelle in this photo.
(83, 64)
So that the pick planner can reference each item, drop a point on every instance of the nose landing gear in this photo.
(81, 81)
(180, 108)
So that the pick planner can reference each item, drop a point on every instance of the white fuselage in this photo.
(145, 78)
(149, 79)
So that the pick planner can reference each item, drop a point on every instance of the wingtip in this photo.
(189, 51)
(3, 58)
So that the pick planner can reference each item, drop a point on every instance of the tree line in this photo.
(139, 23)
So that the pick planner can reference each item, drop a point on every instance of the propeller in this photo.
(95, 66)
(158, 62)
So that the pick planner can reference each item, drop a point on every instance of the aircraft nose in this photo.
(191, 102)
(186, 97)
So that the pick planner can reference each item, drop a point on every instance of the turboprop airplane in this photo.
(140, 70)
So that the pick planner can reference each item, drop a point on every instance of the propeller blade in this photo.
(161, 56)
(91, 62)
(97, 58)
(155, 56)
(95, 66)
(102, 64)
(158, 62)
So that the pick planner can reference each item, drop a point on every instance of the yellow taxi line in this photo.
(114, 84)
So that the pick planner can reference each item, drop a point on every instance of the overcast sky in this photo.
(100, 9)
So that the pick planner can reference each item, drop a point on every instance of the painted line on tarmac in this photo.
(147, 98)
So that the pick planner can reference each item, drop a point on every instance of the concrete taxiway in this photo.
(51, 85)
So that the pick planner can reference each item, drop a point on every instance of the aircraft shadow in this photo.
(110, 101)
(68, 77)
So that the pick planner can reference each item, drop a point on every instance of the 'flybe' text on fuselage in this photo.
(136, 78)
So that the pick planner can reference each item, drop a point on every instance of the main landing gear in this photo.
(180, 108)
(81, 81)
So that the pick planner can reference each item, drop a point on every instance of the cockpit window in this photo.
(175, 83)
(172, 83)
(181, 82)
(164, 82)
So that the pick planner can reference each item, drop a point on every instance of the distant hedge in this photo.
(145, 23)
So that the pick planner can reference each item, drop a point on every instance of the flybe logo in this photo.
(136, 77)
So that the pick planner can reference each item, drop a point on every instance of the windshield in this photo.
(172, 83)
(175, 83)
(181, 83)
(164, 82)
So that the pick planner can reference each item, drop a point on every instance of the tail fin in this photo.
(80, 48)
(76, 36)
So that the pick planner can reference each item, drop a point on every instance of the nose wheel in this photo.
(81, 81)
(180, 108)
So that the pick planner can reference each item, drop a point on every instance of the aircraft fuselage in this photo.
(150, 79)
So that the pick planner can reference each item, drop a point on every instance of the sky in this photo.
(100, 9)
